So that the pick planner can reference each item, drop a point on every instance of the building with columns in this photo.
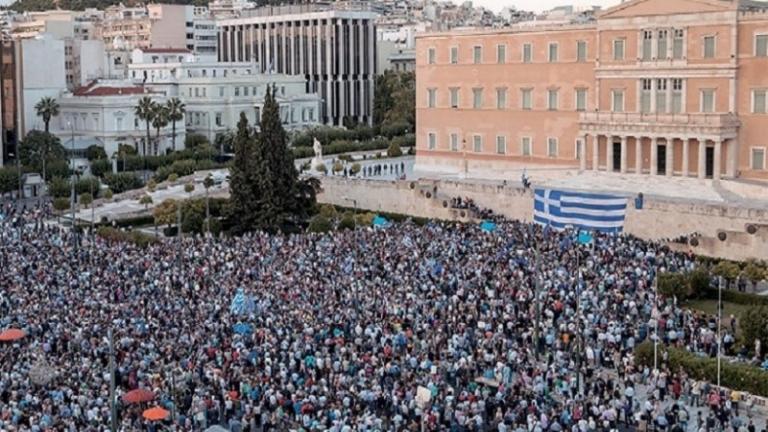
(332, 46)
(651, 87)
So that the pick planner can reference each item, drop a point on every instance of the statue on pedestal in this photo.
(318, 159)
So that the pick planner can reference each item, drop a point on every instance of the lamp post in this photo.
(719, 320)
(112, 405)
(74, 179)
(536, 300)
(656, 324)
(354, 204)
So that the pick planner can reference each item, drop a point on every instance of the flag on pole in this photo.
(584, 211)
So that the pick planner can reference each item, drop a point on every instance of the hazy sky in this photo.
(539, 5)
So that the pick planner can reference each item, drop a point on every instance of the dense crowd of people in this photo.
(443, 327)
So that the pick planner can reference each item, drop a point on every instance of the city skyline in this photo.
(541, 5)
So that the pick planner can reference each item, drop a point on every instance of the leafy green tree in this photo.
(321, 168)
(754, 273)
(86, 199)
(59, 187)
(727, 270)
(395, 99)
(145, 110)
(173, 177)
(673, 285)
(47, 108)
(39, 149)
(165, 212)
(95, 152)
(107, 194)
(160, 119)
(754, 326)
(151, 185)
(355, 168)
(146, 201)
(9, 180)
(189, 188)
(175, 109)
(122, 182)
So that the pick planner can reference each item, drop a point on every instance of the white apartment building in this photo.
(102, 114)
(332, 47)
(40, 72)
(216, 93)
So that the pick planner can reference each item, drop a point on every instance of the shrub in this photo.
(173, 177)
(145, 200)
(57, 168)
(327, 210)
(122, 182)
(59, 187)
(347, 222)
(100, 167)
(394, 129)
(737, 376)
(138, 238)
(61, 204)
(365, 219)
(86, 185)
(189, 187)
(338, 167)
(394, 150)
(151, 185)
(319, 224)
(355, 168)
(192, 221)
(192, 141)
(754, 326)
(321, 168)
(107, 194)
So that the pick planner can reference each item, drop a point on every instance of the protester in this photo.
(519, 329)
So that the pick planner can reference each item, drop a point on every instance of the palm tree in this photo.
(145, 110)
(176, 110)
(47, 108)
(159, 121)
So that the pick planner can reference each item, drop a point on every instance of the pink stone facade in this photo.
(653, 87)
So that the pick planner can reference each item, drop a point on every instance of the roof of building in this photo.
(94, 89)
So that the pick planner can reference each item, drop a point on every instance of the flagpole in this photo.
(656, 330)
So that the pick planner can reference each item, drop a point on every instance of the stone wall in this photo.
(659, 218)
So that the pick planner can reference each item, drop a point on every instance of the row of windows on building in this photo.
(757, 154)
(477, 144)
(553, 53)
(236, 91)
(668, 98)
(526, 98)
(656, 44)
(288, 115)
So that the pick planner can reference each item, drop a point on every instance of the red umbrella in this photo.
(12, 335)
(155, 414)
(138, 396)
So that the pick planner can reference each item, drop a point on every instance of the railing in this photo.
(702, 119)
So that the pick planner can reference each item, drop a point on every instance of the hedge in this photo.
(342, 146)
(737, 297)
(138, 238)
(736, 376)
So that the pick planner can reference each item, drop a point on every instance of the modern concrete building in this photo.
(159, 26)
(332, 46)
(659, 87)
(216, 93)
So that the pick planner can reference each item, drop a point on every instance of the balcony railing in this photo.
(698, 119)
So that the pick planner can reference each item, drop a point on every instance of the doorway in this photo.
(617, 156)
(710, 162)
(661, 159)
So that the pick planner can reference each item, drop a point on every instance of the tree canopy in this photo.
(395, 99)
(265, 187)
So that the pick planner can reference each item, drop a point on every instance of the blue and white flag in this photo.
(242, 304)
(584, 211)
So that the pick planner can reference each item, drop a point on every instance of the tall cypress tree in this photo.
(279, 172)
(243, 196)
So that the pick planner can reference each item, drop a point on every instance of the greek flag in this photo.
(241, 304)
(585, 211)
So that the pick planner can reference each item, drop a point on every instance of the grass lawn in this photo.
(710, 307)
